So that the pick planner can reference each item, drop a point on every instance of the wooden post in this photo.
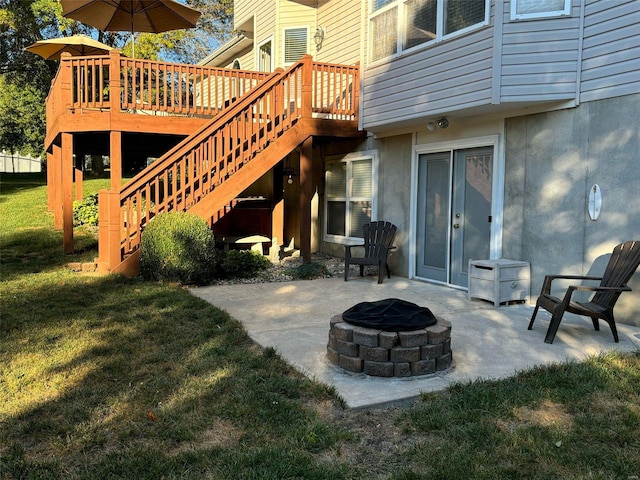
(115, 102)
(115, 107)
(66, 80)
(56, 185)
(108, 230)
(50, 182)
(356, 96)
(77, 175)
(67, 192)
(306, 194)
(115, 156)
(307, 86)
(277, 222)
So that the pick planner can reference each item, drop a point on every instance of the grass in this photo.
(107, 377)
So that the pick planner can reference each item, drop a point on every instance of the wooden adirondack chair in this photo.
(623, 263)
(378, 237)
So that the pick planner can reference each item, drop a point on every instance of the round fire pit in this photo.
(383, 353)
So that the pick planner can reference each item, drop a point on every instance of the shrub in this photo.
(85, 211)
(308, 271)
(178, 247)
(243, 263)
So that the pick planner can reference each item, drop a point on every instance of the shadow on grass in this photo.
(36, 250)
(558, 421)
(17, 182)
(117, 377)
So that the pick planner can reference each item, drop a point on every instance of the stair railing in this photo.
(218, 150)
(129, 85)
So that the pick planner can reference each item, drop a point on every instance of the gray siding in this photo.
(539, 58)
(611, 52)
(453, 75)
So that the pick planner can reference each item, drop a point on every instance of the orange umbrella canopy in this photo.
(53, 48)
(153, 16)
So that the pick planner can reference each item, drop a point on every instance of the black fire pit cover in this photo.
(392, 315)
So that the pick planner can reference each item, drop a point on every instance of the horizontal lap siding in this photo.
(247, 61)
(296, 14)
(453, 75)
(341, 23)
(539, 60)
(611, 52)
(243, 10)
(265, 25)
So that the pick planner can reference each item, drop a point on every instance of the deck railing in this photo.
(116, 83)
(206, 159)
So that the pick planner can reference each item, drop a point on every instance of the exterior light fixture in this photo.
(318, 37)
(288, 171)
(441, 123)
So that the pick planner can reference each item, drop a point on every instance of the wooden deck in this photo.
(235, 126)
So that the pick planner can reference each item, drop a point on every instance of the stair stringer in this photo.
(251, 171)
(215, 201)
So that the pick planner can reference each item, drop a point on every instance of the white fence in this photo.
(17, 163)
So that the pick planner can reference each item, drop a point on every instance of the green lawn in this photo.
(106, 377)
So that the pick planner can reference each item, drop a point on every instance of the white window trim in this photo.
(497, 188)
(263, 42)
(532, 16)
(401, 5)
(284, 46)
(351, 157)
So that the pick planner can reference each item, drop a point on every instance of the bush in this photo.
(308, 271)
(85, 211)
(178, 247)
(243, 263)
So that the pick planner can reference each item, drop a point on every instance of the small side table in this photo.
(500, 280)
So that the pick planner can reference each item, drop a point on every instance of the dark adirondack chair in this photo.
(378, 239)
(623, 263)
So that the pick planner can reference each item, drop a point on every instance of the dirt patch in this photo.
(378, 439)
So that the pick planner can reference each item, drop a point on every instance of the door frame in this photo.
(497, 188)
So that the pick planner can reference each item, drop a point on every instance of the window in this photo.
(349, 195)
(295, 44)
(398, 25)
(522, 9)
(264, 57)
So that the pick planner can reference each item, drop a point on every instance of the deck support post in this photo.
(306, 162)
(78, 178)
(108, 230)
(67, 193)
(50, 182)
(55, 187)
(306, 195)
(115, 156)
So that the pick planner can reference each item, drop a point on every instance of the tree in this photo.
(22, 118)
(28, 77)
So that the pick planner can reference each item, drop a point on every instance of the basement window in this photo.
(349, 196)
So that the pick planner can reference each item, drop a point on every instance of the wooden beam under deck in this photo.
(215, 162)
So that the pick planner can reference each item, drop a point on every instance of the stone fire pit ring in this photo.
(382, 353)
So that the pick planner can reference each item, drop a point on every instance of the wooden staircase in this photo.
(211, 167)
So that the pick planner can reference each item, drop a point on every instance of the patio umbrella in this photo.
(53, 48)
(153, 16)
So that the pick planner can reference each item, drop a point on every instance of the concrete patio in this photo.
(487, 342)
